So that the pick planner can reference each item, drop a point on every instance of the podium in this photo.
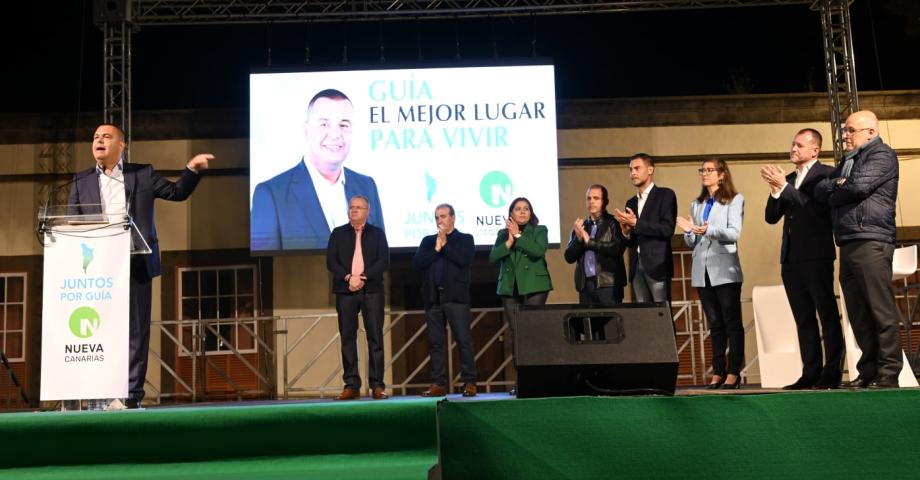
(85, 300)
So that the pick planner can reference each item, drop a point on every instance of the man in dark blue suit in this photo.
(807, 257)
(647, 226)
(298, 208)
(444, 261)
(132, 187)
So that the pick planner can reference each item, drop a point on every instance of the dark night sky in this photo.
(54, 59)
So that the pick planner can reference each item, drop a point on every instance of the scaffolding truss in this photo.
(126, 15)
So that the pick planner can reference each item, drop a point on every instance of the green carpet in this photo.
(383, 440)
(841, 434)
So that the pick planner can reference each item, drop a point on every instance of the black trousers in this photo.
(508, 303)
(457, 315)
(347, 305)
(592, 295)
(139, 301)
(722, 306)
(810, 288)
(865, 277)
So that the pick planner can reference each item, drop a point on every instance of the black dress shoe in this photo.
(800, 384)
(855, 384)
(827, 384)
(132, 403)
(884, 382)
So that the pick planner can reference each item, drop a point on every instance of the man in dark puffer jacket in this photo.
(862, 193)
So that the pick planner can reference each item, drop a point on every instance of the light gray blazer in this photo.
(716, 251)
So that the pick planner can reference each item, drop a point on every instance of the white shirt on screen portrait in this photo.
(331, 196)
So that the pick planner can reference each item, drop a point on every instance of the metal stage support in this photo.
(839, 66)
(118, 18)
(117, 77)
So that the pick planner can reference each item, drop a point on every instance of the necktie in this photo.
(357, 263)
(590, 259)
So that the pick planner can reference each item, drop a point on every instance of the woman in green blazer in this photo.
(520, 249)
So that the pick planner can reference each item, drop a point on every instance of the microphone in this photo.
(43, 218)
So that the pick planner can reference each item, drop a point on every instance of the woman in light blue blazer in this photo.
(713, 229)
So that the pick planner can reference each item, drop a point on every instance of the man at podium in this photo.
(132, 188)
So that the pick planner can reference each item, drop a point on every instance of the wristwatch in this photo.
(517, 235)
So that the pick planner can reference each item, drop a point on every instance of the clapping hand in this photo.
(441, 240)
(627, 220)
(579, 228)
(685, 224)
(774, 176)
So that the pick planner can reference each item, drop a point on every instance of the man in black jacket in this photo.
(600, 274)
(862, 192)
(807, 258)
(444, 261)
(647, 226)
(357, 256)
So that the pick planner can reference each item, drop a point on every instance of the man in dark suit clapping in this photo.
(647, 226)
(444, 261)
(807, 257)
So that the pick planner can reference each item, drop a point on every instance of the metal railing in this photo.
(304, 340)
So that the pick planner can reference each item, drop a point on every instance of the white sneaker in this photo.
(115, 404)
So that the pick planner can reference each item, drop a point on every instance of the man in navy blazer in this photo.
(297, 209)
(807, 256)
(647, 226)
(444, 261)
(132, 187)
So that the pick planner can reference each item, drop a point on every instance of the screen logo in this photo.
(495, 189)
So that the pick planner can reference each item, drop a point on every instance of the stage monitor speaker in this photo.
(564, 350)
(111, 11)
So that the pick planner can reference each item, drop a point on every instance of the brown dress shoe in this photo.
(380, 394)
(349, 394)
(469, 390)
(435, 391)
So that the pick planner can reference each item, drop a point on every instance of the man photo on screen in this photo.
(299, 208)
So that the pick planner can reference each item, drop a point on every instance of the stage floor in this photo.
(746, 433)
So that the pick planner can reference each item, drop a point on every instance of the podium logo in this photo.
(84, 322)
(87, 256)
(495, 189)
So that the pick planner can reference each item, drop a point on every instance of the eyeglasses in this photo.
(851, 130)
(707, 171)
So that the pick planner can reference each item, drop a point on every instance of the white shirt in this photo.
(112, 192)
(643, 196)
(799, 177)
(331, 196)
